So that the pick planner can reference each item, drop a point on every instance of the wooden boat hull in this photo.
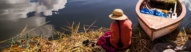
(156, 31)
(153, 34)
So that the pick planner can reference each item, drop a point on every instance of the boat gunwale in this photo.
(164, 25)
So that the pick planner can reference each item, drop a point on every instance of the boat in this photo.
(157, 26)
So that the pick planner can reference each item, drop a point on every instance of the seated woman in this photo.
(119, 35)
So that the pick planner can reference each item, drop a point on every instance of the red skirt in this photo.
(104, 42)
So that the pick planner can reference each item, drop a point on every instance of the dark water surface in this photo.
(87, 11)
(15, 14)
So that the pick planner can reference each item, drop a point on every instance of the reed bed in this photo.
(85, 41)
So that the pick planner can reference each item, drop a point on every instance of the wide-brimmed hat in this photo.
(118, 14)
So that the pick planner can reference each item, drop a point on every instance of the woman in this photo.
(119, 36)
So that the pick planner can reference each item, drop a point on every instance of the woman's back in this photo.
(126, 33)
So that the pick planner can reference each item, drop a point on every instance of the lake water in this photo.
(87, 11)
(15, 14)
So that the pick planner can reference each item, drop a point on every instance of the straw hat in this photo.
(118, 14)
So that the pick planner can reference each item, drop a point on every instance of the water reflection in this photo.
(87, 11)
(187, 3)
(13, 15)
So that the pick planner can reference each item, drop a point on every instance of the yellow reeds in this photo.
(73, 42)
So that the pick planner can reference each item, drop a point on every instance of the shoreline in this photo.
(74, 41)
